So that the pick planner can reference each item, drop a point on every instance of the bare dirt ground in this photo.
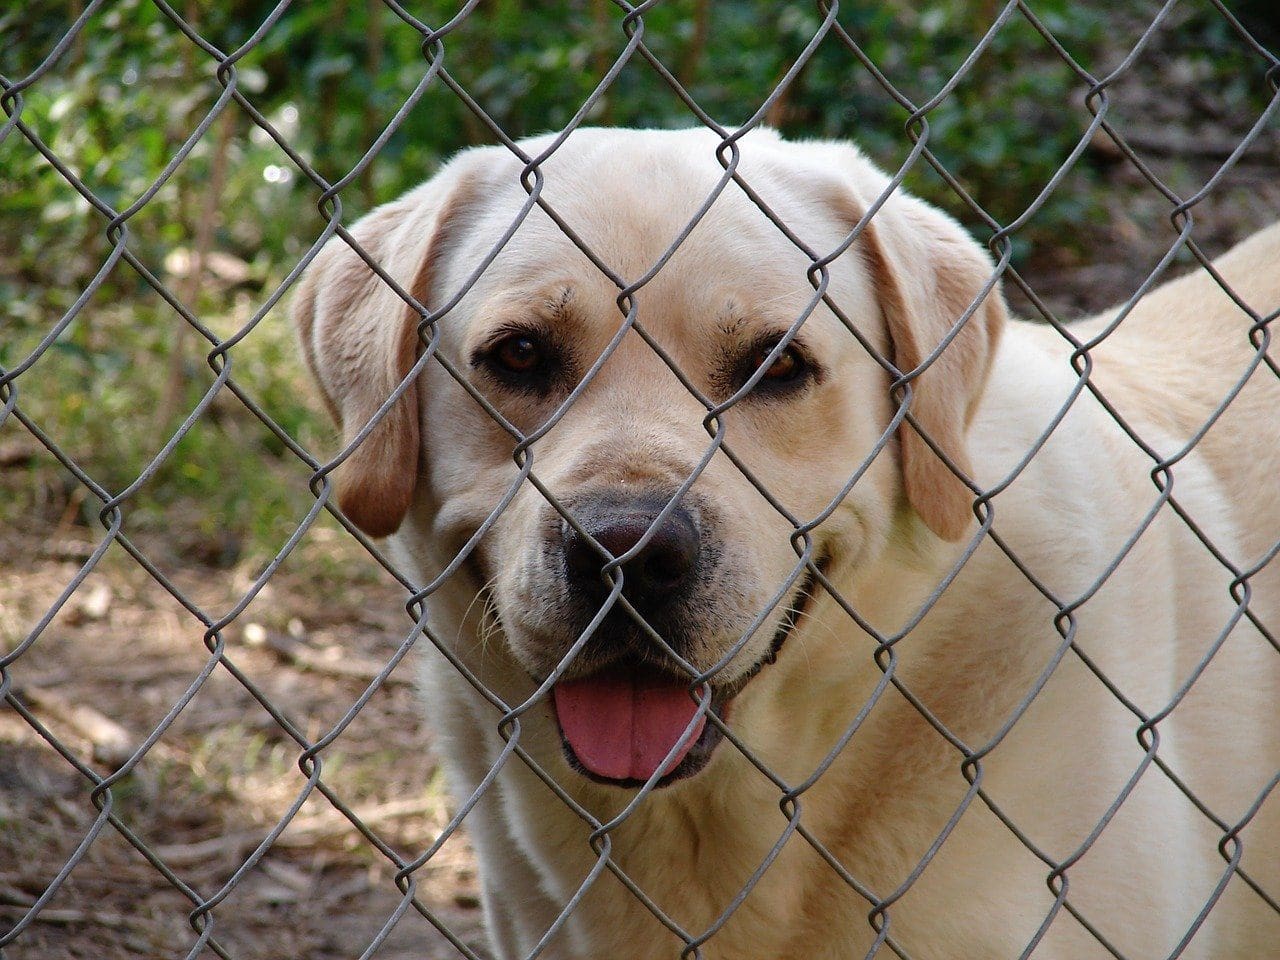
(102, 676)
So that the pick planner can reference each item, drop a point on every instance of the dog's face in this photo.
(688, 430)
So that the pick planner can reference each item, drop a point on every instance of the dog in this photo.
(790, 599)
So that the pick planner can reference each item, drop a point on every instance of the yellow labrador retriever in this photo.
(795, 699)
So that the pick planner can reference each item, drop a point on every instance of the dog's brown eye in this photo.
(523, 360)
(788, 365)
(519, 354)
(788, 373)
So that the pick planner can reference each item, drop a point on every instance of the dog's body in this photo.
(974, 662)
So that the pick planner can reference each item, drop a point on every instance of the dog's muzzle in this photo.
(627, 713)
(659, 574)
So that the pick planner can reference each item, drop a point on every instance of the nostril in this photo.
(663, 570)
(617, 536)
(584, 562)
(660, 566)
(667, 559)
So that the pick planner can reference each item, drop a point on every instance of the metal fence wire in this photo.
(211, 906)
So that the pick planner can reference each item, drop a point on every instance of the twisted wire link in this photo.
(636, 53)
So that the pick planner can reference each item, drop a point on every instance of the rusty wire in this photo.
(633, 52)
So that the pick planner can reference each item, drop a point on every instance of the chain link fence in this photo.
(241, 648)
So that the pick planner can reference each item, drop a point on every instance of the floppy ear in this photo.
(927, 272)
(359, 339)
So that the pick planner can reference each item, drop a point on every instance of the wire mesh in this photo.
(208, 906)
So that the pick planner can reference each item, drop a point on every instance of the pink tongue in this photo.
(622, 725)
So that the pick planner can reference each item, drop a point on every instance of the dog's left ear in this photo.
(360, 340)
(927, 273)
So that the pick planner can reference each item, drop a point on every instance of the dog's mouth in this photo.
(628, 722)
(631, 721)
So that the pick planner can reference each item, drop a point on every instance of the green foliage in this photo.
(134, 87)
(330, 76)
(101, 393)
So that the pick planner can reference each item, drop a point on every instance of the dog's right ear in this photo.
(359, 339)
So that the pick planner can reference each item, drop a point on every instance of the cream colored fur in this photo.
(437, 465)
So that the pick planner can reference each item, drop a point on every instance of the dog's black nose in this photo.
(656, 572)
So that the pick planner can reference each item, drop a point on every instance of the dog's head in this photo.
(618, 406)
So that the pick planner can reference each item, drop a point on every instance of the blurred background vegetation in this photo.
(226, 228)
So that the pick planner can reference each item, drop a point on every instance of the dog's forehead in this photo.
(637, 199)
(654, 208)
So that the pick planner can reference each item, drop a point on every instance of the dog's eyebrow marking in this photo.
(732, 320)
(553, 302)
(566, 294)
(556, 305)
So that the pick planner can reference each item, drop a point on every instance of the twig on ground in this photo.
(330, 660)
(112, 744)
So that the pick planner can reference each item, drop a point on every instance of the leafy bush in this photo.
(237, 214)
